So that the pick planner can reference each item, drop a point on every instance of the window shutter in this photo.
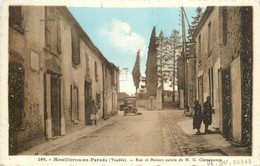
(58, 38)
(75, 47)
(15, 15)
(52, 30)
(53, 35)
(71, 101)
(47, 28)
(96, 72)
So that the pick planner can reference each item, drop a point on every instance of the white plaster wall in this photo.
(73, 75)
(97, 86)
(216, 118)
(236, 99)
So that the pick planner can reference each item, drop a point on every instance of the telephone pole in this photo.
(184, 44)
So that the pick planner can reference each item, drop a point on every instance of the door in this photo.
(87, 94)
(200, 90)
(55, 105)
(227, 103)
(74, 103)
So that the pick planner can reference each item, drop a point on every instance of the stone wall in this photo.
(22, 46)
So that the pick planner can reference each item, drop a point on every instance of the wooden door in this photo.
(55, 105)
(87, 102)
(200, 90)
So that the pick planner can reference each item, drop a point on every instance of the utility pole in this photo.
(173, 80)
(184, 57)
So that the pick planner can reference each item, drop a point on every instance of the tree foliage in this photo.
(175, 41)
(151, 65)
(192, 29)
(168, 49)
(136, 71)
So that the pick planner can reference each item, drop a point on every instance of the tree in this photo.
(168, 48)
(161, 57)
(164, 62)
(192, 29)
(151, 65)
(136, 71)
(174, 41)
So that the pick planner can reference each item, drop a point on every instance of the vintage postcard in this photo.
(129, 83)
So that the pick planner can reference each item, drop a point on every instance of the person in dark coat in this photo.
(207, 114)
(197, 119)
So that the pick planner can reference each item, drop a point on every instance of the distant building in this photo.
(55, 71)
(168, 95)
(141, 90)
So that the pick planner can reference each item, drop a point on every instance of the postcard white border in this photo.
(5, 159)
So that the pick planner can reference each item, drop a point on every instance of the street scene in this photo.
(173, 81)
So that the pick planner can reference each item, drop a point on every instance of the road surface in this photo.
(154, 133)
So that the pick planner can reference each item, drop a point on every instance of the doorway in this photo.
(55, 105)
(200, 90)
(87, 93)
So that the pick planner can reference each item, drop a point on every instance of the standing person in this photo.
(95, 113)
(197, 119)
(207, 114)
(93, 116)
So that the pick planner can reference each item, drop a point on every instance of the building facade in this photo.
(54, 72)
(224, 69)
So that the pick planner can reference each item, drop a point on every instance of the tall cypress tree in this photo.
(136, 71)
(151, 66)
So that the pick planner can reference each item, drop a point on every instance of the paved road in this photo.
(154, 133)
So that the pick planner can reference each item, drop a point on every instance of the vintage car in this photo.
(129, 106)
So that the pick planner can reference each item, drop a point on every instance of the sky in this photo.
(119, 32)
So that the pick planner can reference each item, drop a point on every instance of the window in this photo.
(212, 88)
(98, 102)
(113, 100)
(15, 17)
(209, 39)
(74, 102)
(112, 78)
(87, 63)
(96, 71)
(16, 95)
(199, 57)
(115, 78)
(211, 85)
(200, 90)
(194, 68)
(224, 26)
(75, 47)
(199, 45)
(52, 31)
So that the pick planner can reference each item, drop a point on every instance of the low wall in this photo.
(144, 103)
